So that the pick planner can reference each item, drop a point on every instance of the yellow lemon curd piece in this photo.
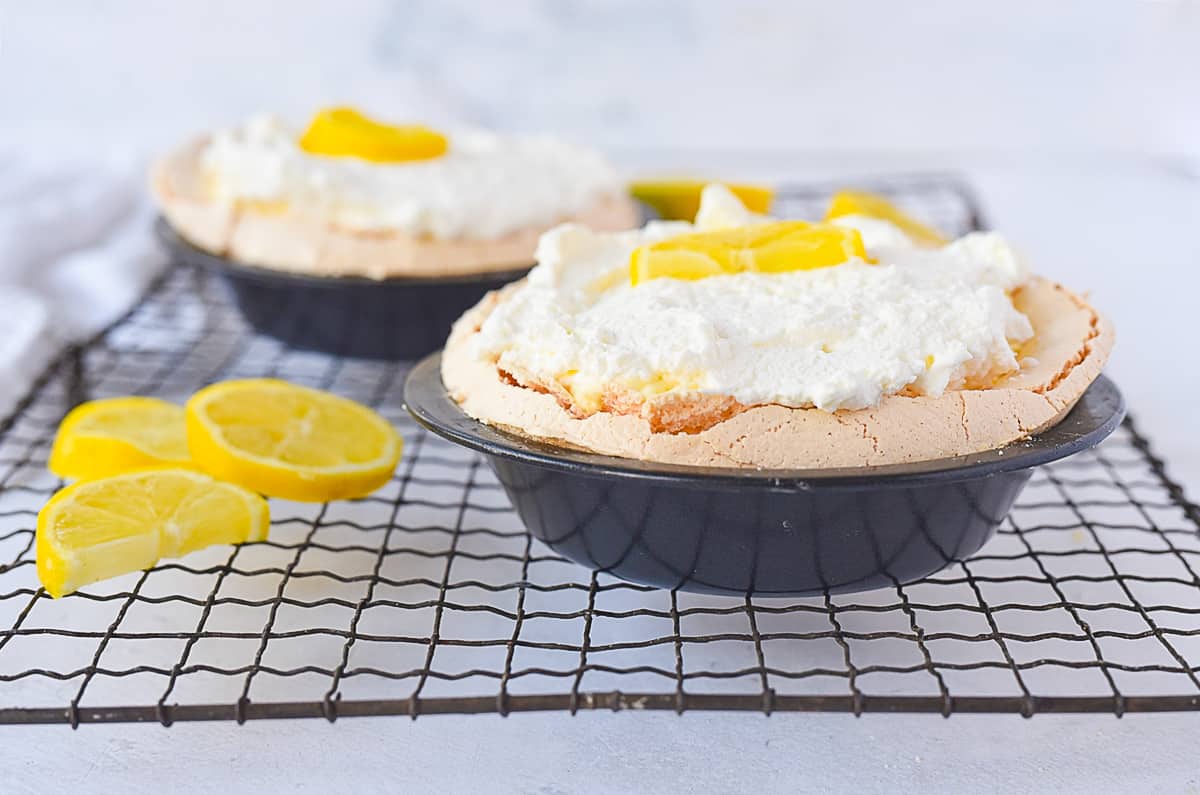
(116, 435)
(344, 132)
(290, 441)
(764, 248)
(97, 529)
(853, 202)
(679, 199)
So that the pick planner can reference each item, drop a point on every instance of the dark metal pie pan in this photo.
(764, 532)
(393, 319)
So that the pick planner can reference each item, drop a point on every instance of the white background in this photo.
(941, 76)
(1079, 121)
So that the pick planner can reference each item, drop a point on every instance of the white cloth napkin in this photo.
(76, 250)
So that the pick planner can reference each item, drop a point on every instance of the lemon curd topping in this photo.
(345, 132)
(869, 205)
(679, 199)
(776, 247)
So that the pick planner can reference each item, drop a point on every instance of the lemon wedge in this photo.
(766, 248)
(290, 441)
(344, 132)
(679, 199)
(852, 202)
(108, 437)
(96, 529)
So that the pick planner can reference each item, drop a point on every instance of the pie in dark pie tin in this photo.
(763, 532)
(394, 319)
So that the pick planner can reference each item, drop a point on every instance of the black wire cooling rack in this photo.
(428, 597)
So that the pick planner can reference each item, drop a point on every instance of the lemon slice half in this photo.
(96, 529)
(108, 437)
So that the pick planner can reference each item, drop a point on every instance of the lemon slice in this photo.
(852, 202)
(290, 441)
(108, 437)
(97, 529)
(766, 248)
(344, 132)
(679, 199)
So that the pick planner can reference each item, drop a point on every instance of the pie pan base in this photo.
(393, 319)
(763, 532)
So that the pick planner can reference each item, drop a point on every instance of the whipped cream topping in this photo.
(484, 187)
(923, 320)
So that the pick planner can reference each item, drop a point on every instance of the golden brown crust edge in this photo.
(300, 242)
(1072, 342)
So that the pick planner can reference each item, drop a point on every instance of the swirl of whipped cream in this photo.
(920, 320)
(485, 186)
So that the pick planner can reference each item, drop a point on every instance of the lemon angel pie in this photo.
(352, 196)
(743, 341)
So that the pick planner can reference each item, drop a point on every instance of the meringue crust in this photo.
(1070, 346)
(291, 239)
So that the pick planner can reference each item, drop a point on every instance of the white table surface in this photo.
(1124, 228)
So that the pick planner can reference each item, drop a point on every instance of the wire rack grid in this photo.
(428, 597)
